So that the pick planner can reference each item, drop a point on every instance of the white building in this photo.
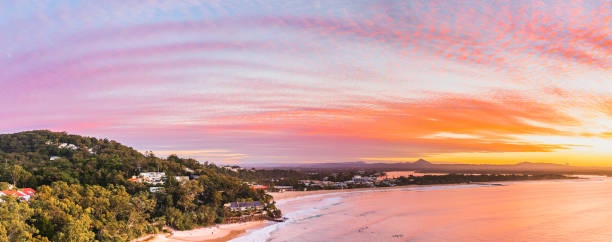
(152, 177)
(182, 178)
(156, 189)
(67, 146)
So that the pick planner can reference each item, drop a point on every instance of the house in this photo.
(23, 194)
(244, 206)
(67, 146)
(182, 178)
(54, 157)
(150, 177)
(156, 189)
(259, 187)
(153, 177)
(283, 188)
(134, 179)
(233, 168)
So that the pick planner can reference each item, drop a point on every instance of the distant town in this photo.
(347, 177)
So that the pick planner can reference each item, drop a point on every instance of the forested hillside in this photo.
(83, 193)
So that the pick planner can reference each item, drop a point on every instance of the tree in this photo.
(4, 186)
(17, 173)
(59, 215)
(85, 195)
(13, 220)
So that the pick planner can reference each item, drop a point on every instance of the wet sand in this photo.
(215, 233)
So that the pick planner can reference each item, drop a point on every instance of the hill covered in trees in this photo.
(83, 193)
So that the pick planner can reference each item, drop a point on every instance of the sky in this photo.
(247, 82)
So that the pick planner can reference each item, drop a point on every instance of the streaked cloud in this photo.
(315, 81)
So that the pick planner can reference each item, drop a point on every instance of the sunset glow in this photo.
(317, 81)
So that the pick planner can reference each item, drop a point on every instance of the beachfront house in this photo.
(244, 206)
(259, 187)
(283, 188)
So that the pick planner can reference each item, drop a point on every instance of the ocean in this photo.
(552, 210)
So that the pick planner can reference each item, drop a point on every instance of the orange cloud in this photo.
(492, 123)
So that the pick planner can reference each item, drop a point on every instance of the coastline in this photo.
(215, 233)
(282, 197)
(226, 232)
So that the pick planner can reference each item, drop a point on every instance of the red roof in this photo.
(20, 193)
(28, 191)
(11, 192)
(256, 187)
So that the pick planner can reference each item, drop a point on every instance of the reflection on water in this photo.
(565, 210)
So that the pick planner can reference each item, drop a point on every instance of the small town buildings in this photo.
(244, 206)
(322, 184)
(23, 194)
(363, 180)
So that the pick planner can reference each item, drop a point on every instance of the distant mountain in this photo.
(424, 165)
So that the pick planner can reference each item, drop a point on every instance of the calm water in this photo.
(520, 211)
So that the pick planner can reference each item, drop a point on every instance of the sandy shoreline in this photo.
(216, 233)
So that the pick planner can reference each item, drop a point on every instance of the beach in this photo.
(216, 233)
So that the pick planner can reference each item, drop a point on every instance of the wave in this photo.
(265, 233)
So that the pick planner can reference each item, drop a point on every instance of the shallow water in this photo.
(562, 210)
